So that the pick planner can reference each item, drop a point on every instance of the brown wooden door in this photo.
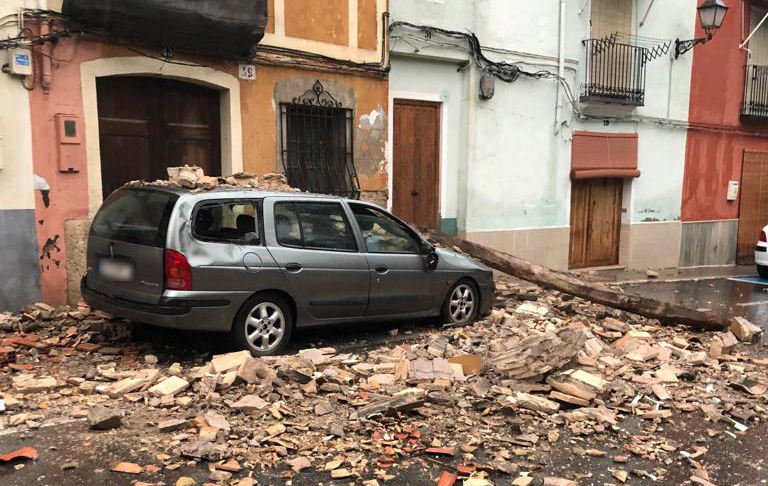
(149, 124)
(595, 222)
(753, 205)
(416, 164)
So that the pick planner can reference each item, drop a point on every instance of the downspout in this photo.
(45, 50)
(560, 69)
(464, 175)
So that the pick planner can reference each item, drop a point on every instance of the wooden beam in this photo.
(567, 283)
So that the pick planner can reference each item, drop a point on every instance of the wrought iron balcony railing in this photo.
(615, 72)
(756, 92)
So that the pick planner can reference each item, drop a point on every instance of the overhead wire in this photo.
(505, 71)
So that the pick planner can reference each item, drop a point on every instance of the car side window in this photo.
(313, 225)
(227, 221)
(382, 233)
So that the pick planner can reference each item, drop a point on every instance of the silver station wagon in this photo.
(258, 264)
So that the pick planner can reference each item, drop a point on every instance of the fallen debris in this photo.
(127, 467)
(103, 418)
(478, 402)
(29, 453)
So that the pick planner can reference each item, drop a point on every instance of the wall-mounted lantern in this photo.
(711, 15)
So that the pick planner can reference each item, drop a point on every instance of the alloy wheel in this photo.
(462, 303)
(265, 326)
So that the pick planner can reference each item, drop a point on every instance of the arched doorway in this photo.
(147, 124)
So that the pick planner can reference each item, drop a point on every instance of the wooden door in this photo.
(149, 124)
(753, 205)
(595, 222)
(416, 164)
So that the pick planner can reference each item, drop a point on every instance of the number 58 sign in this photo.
(248, 72)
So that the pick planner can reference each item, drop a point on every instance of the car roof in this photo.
(223, 192)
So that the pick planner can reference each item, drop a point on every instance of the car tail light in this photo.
(178, 273)
(762, 237)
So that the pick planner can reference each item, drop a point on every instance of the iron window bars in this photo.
(615, 72)
(317, 144)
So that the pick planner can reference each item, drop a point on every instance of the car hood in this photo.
(450, 260)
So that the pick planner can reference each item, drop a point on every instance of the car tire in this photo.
(462, 303)
(263, 325)
(762, 271)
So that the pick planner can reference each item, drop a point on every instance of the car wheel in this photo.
(762, 271)
(462, 304)
(264, 325)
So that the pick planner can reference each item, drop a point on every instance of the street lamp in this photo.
(711, 15)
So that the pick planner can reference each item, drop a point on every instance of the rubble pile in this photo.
(191, 177)
(543, 371)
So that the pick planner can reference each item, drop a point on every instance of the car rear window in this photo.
(137, 216)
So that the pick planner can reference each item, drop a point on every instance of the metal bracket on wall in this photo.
(681, 47)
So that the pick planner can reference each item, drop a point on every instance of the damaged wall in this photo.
(63, 202)
(367, 96)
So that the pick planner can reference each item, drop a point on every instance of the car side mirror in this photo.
(429, 254)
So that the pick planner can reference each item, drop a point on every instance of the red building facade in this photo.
(727, 142)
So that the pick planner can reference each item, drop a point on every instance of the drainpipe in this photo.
(45, 50)
(560, 68)
(464, 172)
(552, 183)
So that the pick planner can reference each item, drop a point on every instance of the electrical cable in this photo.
(505, 71)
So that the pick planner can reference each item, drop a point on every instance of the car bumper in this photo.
(487, 295)
(761, 255)
(212, 313)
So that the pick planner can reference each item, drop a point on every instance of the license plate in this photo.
(116, 270)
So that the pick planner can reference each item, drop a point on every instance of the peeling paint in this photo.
(369, 120)
(51, 245)
(41, 185)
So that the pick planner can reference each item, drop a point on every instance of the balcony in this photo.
(755, 93)
(615, 73)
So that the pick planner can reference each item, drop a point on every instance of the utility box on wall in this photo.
(69, 137)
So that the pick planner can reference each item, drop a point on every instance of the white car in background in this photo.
(761, 253)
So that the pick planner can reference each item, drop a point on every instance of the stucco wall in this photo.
(19, 269)
(507, 165)
(249, 137)
(718, 139)
(367, 96)
(438, 80)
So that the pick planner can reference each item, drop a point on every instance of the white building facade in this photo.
(19, 258)
(576, 163)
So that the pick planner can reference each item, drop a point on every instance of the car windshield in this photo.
(135, 216)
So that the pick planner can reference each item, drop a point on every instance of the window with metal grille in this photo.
(317, 145)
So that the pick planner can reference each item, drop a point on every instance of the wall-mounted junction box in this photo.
(69, 137)
(19, 62)
(733, 190)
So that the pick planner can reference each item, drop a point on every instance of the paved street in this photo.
(727, 295)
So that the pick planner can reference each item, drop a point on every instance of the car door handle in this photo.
(293, 267)
(382, 269)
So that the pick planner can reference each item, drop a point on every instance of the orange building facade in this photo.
(105, 110)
